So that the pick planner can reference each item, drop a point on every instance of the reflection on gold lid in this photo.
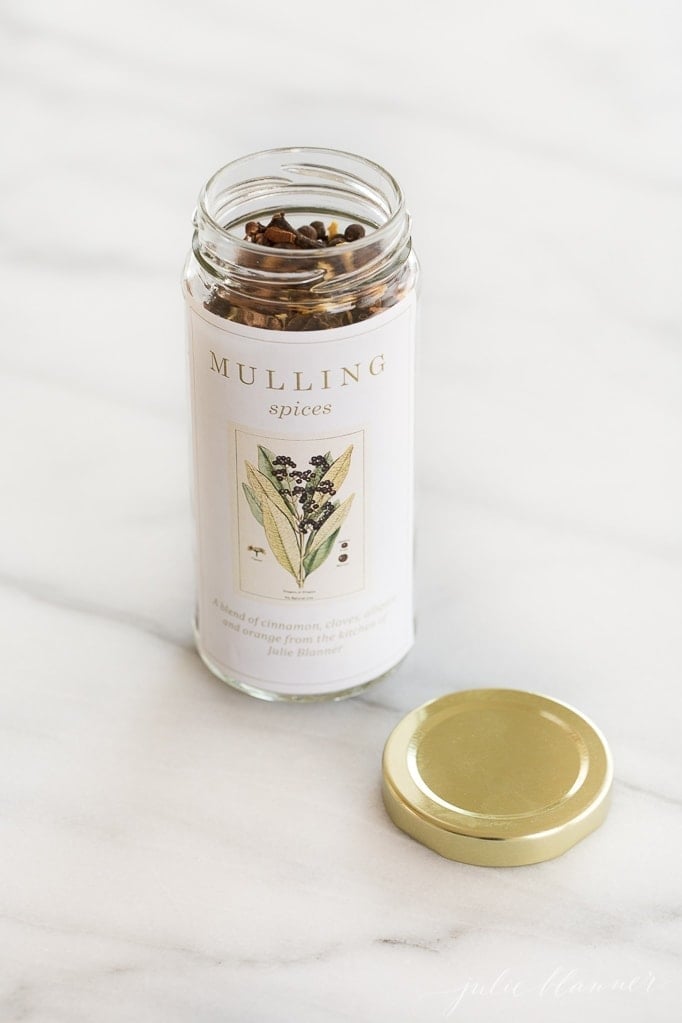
(496, 777)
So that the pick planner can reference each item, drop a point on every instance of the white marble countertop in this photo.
(172, 850)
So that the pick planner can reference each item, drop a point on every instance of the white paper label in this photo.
(303, 472)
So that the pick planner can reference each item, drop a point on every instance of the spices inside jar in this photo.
(299, 310)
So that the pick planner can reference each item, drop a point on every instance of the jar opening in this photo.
(273, 285)
(306, 182)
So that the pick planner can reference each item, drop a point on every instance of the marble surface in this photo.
(171, 850)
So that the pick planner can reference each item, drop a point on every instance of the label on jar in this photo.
(303, 494)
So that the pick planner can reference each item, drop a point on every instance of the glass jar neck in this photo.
(307, 184)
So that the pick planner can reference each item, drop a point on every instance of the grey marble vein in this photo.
(50, 594)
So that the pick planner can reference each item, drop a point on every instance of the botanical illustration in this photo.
(296, 507)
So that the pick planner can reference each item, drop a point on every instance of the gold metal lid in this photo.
(496, 777)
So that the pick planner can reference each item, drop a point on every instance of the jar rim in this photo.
(396, 209)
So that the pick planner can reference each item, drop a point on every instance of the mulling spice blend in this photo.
(280, 234)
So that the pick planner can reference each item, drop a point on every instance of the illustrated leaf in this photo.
(265, 460)
(338, 470)
(253, 503)
(333, 524)
(281, 537)
(320, 554)
(313, 516)
(310, 540)
(262, 487)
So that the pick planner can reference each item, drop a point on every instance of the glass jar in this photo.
(301, 353)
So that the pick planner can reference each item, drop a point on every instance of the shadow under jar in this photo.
(301, 355)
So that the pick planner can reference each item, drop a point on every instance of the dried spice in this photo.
(293, 306)
(280, 234)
